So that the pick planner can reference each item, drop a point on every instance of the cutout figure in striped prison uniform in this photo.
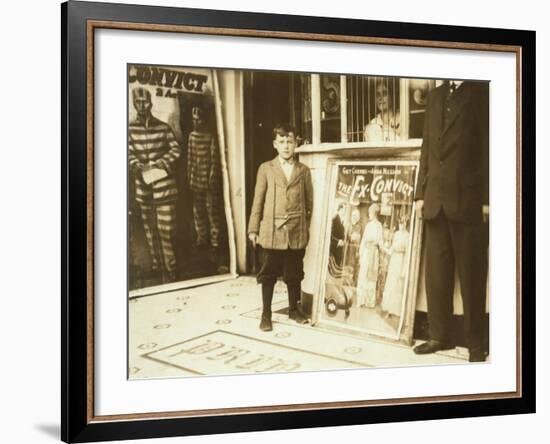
(152, 144)
(204, 178)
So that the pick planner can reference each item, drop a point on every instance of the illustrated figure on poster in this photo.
(204, 180)
(387, 235)
(338, 235)
(369, 259)
(453, 198)
(279, 223)
(353, 239)
(152, 151)
(385, 126)
(397, 270)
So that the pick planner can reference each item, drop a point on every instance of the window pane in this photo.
(330, 108)
(418, 92)
(300, 107)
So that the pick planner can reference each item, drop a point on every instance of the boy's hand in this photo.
(253, 238)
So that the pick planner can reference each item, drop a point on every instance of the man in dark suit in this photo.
(338, 235)
(453, 198)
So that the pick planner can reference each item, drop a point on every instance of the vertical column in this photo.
(404, 108)
(315, 109)
(343, 110)
(229, 119)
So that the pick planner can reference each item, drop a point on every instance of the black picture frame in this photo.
(78, 423)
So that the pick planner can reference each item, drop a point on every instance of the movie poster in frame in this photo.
(368, 273)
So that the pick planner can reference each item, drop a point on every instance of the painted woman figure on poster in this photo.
(369, 259)
(385, 126)
(397, 270)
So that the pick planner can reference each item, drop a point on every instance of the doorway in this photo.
(266, 103)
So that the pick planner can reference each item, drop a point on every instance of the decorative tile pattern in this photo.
(173, 310)
(162, 326)
(147, 346)
(353, 350)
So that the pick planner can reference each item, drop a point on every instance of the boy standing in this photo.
(279, 222)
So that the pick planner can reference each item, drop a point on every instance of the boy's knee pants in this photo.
(286, 263)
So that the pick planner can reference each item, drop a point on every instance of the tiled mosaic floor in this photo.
(213, 329)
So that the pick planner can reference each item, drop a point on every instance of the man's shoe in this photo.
(265, 324)
(477, 356)
(298, 316)
(431, 346)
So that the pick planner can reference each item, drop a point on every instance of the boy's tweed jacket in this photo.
(281, 210)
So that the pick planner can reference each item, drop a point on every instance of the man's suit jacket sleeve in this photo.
(484, 140)
(423, 173)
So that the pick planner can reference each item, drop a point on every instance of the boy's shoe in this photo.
(265, 324)
(298, 316)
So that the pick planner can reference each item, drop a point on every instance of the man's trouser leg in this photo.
(213, 209)
(149, 225)
(470, 242)
(440, 277)
(166, 222)
(200, 217)
(159, 222)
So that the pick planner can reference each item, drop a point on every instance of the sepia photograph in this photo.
(292, 221)
(283, 221)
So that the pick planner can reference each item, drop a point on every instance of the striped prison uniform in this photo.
(153, 142)
(204, 178)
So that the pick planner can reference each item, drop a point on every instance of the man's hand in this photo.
(485, 211)
(137, 169)
(420, 208)
(161, 164)
(253, 238)
(340, 243)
